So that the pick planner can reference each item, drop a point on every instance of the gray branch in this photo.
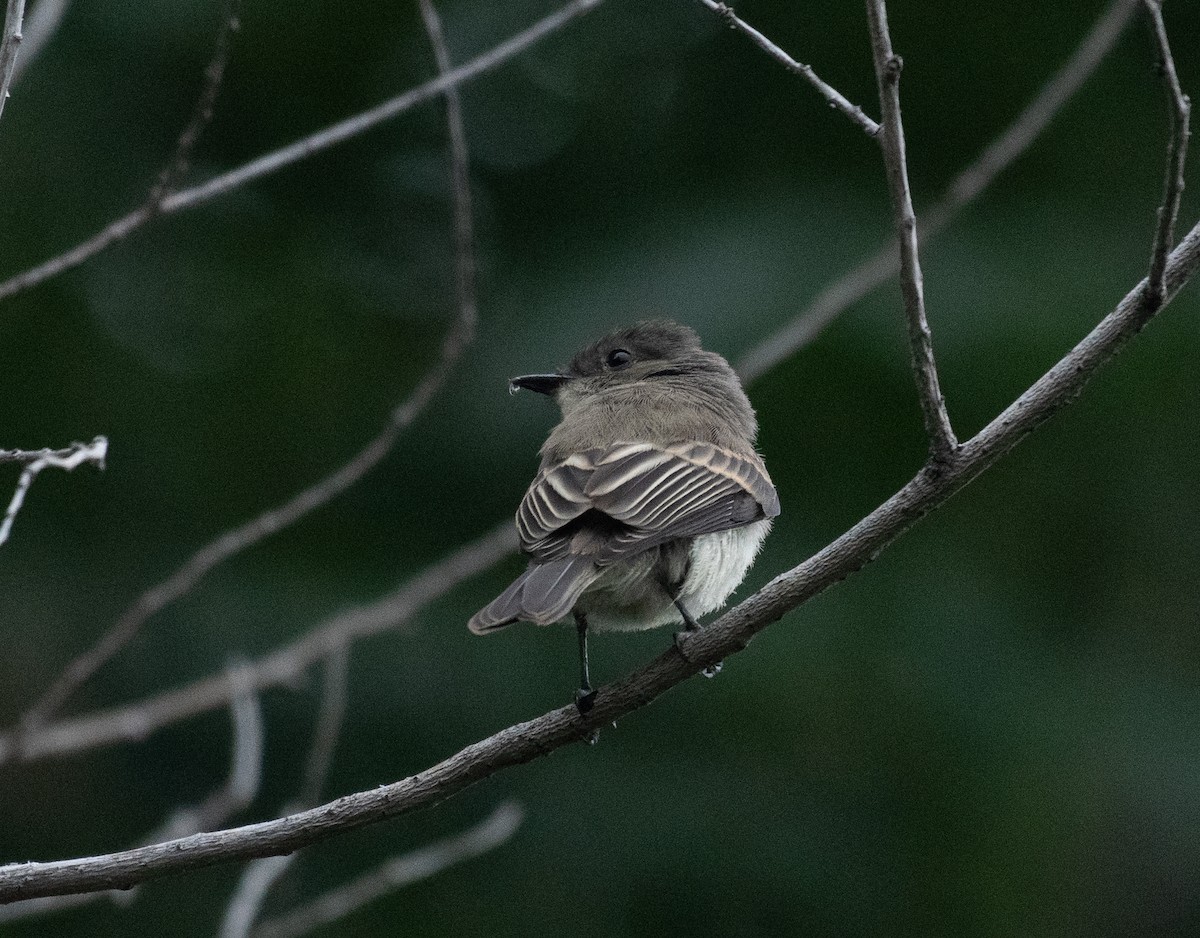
(396, 873)
(40, 28)
(10, 43)
(245, 536)
(66, 459)
(835, 98)
(967, 186)
(731, 633)
(1177, 143)
(282, 667)
(942, 443)
(239, 789)
(299, 150)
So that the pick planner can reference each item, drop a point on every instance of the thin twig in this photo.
(1177, 143)
(835, 98)
(214, 75)
(967, 186)
(233, 542)
(460, 172)
(282, 667)
(942, 442)
(396, 873)
(328, 727)
(260, 875)
(75, 455)
(251, 892)
(239, 789)
(722, 639)
(40, 28)
(299, 150)
(14, 12)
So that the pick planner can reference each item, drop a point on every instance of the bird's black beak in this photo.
(543, 384)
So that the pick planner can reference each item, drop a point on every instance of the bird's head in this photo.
(652, 351)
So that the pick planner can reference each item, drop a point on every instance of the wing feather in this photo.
(653, 494)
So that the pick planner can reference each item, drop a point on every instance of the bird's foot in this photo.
(585, 698)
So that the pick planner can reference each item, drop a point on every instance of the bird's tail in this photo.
(544, 593)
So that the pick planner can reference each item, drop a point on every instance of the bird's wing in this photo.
(640, 495)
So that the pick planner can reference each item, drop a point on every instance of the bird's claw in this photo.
(585, 698)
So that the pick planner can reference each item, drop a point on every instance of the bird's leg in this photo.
(691, 625)
(585, 696)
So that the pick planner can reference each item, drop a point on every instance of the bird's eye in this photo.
(618, 358)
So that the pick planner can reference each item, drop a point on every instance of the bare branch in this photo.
(14, 12)
(75, 455)
(964, 189)
(1181, 110)
(214, 74)
(396, 873)
(279, 668)
(40, 28)
(260, 875)
(731, 633)
(252, 889)
(238, 791)
(233, 542)
(328, 728)
(460, 172)
(299, 150)
(160, 199)
(835, 98)
(245, 771)
(942, 442)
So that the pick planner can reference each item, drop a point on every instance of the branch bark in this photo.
(730, 634)
(1177, 143)
(942, 443)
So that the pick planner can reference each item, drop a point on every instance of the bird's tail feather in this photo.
(544, 593)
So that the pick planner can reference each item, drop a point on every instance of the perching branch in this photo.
(10, 42)
(299, 150)
(233, 542)
(1181, 110)
(835, 98)
(67, 459)
(942, 442)
(396, 873)
(731, 633)
(967, 186)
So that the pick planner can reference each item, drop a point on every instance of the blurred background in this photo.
(992, 730)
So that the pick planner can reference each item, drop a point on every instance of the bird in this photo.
(650, 502)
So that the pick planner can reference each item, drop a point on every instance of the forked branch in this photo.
(1177, 143)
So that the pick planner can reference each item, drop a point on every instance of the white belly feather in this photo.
(718, 565)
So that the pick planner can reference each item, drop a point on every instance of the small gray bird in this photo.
(650, 502)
